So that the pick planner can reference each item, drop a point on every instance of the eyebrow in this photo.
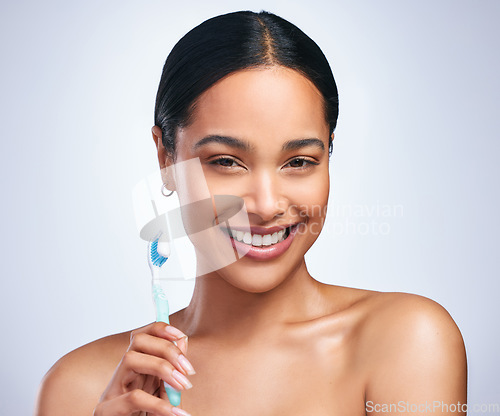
(228, 141)
(300, 143)
(244, 145)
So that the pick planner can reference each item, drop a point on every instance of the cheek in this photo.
(190, 181)
(312, 201)
(311, 197)
(219, 184)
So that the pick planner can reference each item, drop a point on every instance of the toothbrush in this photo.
(158, 252)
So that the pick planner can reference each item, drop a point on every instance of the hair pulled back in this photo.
(232, 42)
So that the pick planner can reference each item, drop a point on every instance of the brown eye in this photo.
(300, 163)
(297, 163)
(225, 162)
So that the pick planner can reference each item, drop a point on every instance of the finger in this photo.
(151, 345)
(134, 401)
(163, 391)
(161, 330)
(182, 344)
(175, 410)
(134, 364)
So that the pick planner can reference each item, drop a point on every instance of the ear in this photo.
(165, 159)
(330, 150)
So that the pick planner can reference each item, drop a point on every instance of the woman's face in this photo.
(261, 135)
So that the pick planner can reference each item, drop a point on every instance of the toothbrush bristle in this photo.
(156, 259)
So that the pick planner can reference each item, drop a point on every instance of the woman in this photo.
(254, 99)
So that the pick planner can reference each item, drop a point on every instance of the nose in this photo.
(264, 197)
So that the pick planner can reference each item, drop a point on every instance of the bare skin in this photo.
(264, 336)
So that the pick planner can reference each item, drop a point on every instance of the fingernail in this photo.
(179, 412)
(174, 332)
(181, 379)
(186, 365)
(184, 340)
(168, 386)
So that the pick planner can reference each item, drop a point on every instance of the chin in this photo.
(262, 285)
(259, 277)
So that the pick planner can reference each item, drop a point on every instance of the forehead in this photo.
(266, 103)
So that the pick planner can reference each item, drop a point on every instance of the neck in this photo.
(219, 308)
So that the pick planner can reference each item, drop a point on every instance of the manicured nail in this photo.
(168, 386)
(174, 332)
(179, 412)
(186, 365)
(183, 341)
(181, 379)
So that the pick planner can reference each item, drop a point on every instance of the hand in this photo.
(136, 387)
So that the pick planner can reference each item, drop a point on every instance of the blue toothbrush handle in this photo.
(162, 315)
(162, 311)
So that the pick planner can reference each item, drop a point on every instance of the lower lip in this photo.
(265, 252)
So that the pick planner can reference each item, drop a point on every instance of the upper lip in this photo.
(263, 230)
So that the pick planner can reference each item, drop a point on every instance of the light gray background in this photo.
(418, 132)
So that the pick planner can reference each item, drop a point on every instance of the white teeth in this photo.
(247, 238)
(256, 240)
(266, 240)
(274, 238)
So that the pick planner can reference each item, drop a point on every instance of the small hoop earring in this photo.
(164, 189)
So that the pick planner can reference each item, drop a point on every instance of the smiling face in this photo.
(261, 134)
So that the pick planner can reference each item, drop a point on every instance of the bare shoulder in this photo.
(75, 382)
(407, 317)
(411, 348)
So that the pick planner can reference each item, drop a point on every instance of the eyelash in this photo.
(219, 159)
(308, 162)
